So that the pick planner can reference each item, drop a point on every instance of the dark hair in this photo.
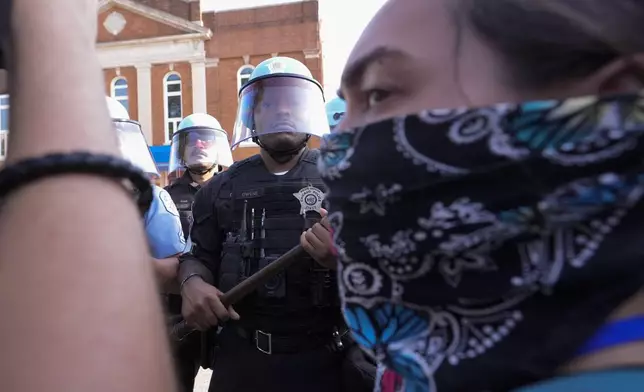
(546, 41)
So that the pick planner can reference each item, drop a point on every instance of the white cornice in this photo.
(157, 15)
(311, 53)
(150, 51)
(212, 62)
(195, 38)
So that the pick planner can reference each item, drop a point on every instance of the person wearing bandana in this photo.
(286, 335)
(486, 195)
(200, 150)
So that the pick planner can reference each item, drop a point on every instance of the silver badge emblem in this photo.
(277, 67)
(310, 198)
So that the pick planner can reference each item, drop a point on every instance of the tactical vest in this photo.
(263, 216)
(183, 195)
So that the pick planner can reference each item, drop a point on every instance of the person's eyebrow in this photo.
(354, 72)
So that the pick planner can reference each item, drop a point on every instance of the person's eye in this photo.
(375, 96)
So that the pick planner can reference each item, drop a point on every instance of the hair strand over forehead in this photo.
(546, 41)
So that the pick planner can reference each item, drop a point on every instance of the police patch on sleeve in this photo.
(168, 204)
(182, 239)
(310, 198)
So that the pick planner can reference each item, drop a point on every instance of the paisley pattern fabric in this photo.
(479, 248)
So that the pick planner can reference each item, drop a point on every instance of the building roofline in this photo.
(157, 15)
(151, 40)
(258, 7)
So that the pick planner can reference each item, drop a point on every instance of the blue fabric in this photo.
(163, 226)
(615, 334)
(161, 155)
(608, 381)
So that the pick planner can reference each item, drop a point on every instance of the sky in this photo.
(342, 23)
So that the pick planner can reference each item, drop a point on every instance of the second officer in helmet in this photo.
(335, 110)
(199, 150)
(284, 336)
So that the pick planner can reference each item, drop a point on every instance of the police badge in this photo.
(276, 67)
(310, 198)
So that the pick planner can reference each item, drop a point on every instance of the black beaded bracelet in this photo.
(21, 173)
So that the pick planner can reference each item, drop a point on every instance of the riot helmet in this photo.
(130, 138)
(335, 110)
(280, 108)
(199, 145)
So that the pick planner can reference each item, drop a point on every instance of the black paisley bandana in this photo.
(480, 248)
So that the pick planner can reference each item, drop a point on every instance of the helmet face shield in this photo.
(280, 104)
(133, 146)
(200, 147)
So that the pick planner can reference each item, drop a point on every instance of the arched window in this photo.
(243, 75)
(173, 105)
(4, 125)
(120, 91)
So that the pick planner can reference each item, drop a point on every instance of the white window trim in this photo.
(114, 87)
(248, 142)
(239, 73)
(166, 95)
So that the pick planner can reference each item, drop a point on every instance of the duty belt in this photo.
(269, 343)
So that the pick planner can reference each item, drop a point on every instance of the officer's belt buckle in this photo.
(265, 337)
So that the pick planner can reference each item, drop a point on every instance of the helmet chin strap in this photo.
(202, 170)
(282, 156)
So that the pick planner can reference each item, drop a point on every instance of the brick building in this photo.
(166, 59)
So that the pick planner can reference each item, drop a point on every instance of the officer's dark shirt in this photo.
(205, 234)
(183, 192)
(208, 235)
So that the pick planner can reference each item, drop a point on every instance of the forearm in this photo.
(67, 292)
(67, 289)
(58, 103)
(166, 271)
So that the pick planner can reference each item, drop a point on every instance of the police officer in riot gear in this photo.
(284, 336)
(161, 219)
(199, 149)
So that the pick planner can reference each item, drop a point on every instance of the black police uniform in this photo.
(183, 192)
(287, 337)
(187, 354)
